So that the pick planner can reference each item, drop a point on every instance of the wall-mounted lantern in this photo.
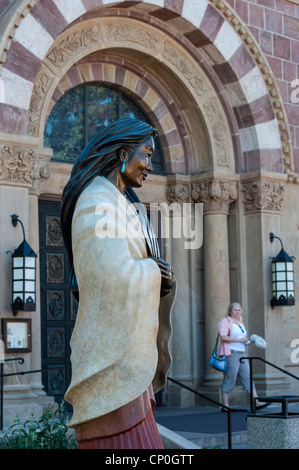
(23, 274)
(283, 286)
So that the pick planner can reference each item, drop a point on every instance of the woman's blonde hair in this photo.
(232, 305)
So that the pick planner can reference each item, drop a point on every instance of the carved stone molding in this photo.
(215, 194)
(263, 196)
(178, 193)
(218, 132)
(184, 66)
(17, 164)
(41, 172)
(40, 88)
(73, 43)
(125, 32)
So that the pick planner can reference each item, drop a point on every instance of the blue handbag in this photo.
(218, 362)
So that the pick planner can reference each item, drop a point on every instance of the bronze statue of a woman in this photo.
(120, 343)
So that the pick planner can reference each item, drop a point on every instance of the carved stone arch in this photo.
(163, 61)
(154, 100)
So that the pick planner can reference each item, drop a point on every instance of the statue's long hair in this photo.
(99, 157)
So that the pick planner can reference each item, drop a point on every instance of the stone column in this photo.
(216, 193)
(40, 174)
(263, 195)
(178, 194)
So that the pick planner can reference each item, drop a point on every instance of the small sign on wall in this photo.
(16, 334)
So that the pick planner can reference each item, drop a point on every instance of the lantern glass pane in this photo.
(29, 286)
(18, 295)
(281, 266)
(18, 274)
(18, 286)
(290, 287)
(29, 262)
(281, 289)
(290, 276)
(18, 262)
(281, 276)
(30, 274)
(30, 297)
(290, 266)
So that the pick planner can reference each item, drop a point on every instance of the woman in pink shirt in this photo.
(233, 337)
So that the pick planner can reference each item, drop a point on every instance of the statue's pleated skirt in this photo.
(132, 426)
(144, 435)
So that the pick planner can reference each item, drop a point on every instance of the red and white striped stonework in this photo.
(248, 50)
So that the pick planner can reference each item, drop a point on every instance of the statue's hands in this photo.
(166, 276)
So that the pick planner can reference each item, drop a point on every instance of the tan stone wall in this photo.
(290, 315)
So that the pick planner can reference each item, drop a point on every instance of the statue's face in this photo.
(139, 163)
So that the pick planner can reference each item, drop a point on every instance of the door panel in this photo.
(58, 306)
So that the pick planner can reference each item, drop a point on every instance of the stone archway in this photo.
(162, 60)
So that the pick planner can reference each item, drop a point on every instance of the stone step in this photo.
(191, 440)
(238, 439)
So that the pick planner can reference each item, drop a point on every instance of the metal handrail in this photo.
(250, 359)
(2, 375)
(227, 408)
(21, 361)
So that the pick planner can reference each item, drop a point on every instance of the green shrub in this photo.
(47, 432)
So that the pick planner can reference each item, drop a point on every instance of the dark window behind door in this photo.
(58, 305)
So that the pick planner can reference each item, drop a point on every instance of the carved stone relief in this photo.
(263, 196)
(17, 164)
(183, 65)
(218, 132)
(126, 32)
(178, 193)
(73, 43)
(215, 194)
(41, 173)
(40, 88)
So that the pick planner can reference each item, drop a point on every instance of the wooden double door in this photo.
(58, 305)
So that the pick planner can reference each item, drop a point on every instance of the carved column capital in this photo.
(263, 196)
(42, 170)
(215, 194)
(178, 193)
(17, 164)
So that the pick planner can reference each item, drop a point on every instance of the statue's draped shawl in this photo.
(114, 352)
